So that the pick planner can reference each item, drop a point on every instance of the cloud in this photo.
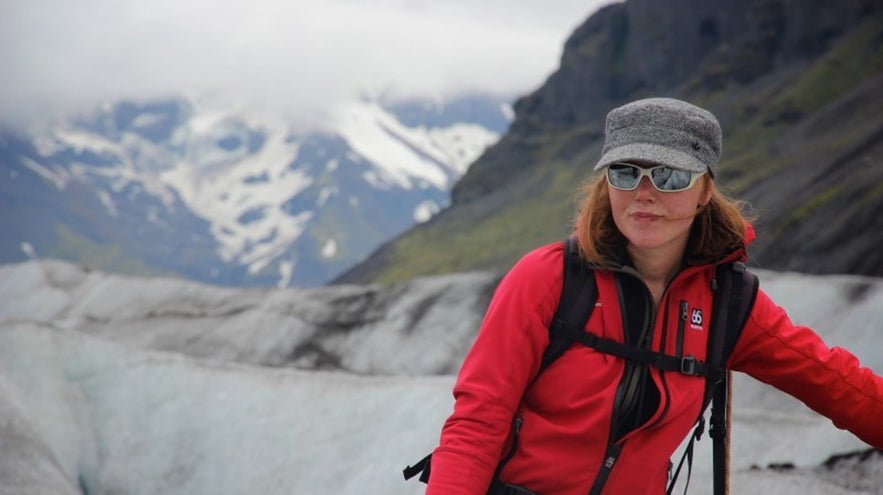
(297, 58)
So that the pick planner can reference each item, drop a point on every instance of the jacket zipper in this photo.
(610, 457)
(662, 379)
(682, 322)
(679, 351)
(611, 454)
(623, 398)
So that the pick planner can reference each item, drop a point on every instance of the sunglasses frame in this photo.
(647, 172)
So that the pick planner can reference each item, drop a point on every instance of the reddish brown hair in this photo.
(717, 230)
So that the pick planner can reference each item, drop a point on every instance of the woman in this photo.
(654, 227)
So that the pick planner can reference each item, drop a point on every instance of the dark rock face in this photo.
(642, 47)
(818, 213)
(795, 84)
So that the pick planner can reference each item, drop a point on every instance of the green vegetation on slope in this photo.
(762, 138)
(540, 210)
(768, 113)
(108, 258)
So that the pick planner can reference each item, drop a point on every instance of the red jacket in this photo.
(566, 414)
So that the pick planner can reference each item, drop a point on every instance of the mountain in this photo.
(796, 84)
(232, 197)
(112, 384)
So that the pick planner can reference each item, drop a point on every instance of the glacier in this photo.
(112, 384)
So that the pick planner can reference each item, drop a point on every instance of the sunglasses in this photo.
(626, 177)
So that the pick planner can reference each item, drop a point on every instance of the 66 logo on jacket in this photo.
(696, 319)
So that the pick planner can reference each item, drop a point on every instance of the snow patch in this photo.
(84, 141)
(147, 119)
(463, 144)
(324, 194)
(107, 201)
(28, 249)
(425, 210)
(286, 269)
(58, 179)
(404, 156)
(329, 249)
(222, 198)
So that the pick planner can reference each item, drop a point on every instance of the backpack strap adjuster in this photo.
(690, 366)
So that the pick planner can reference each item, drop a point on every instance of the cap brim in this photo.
(652, 153)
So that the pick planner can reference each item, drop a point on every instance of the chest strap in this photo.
(687, 365)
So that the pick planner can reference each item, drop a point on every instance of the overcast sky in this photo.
(296, 57)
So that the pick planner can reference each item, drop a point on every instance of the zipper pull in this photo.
(610, 462)
(611, 455)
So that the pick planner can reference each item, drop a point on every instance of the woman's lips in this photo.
(642, 215)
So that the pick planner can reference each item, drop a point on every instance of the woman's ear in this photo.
(706, 194)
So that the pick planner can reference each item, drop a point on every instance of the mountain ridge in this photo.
(232, 197)
(798, 96)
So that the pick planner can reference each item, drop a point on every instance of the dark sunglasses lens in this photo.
(670, 179)
(623, 176)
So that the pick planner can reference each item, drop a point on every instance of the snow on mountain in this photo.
(410, 157)
(224, 179)
(132, 385)
(274, 207)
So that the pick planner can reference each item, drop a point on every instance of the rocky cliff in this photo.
(797, 86)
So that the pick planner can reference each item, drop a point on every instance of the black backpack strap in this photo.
(422, 467)
(743, 286)
(578, 296)
(736, 285)
(687, 365)
(735, 289)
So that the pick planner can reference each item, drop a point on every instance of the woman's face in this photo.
(652, 220)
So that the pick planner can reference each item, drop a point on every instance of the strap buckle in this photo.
(422, 468)
(689, 366)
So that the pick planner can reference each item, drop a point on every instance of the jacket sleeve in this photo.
(794, 359)
(501, 363)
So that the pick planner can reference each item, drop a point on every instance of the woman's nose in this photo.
(645, 187)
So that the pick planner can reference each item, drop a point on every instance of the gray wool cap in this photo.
(665, 131)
